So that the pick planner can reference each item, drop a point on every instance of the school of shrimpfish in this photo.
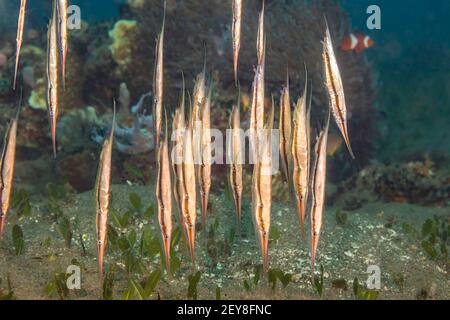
(187, 179)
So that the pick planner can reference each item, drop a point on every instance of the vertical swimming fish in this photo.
(335, 88)
(257, 111)
(301, 154)
(236, 30)
(158, 81)
(7, 169)
(206, 155)
(262, 195)
(19, 38)
(318, 187)
(164, 198)
(189, 197)
(261, 39)
(196, 121)
(178, 128)
(258, 94)
(285, 128)
(53, 76)
(62, 6)
(103, 193)
(236, 158)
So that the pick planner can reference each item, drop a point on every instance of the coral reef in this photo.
(294, 31)
(124, 35)
(137, 138)
(79, 170)
(418, 182)
(103, 56)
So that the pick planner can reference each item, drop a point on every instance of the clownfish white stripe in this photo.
(354, 41)
(366, 41)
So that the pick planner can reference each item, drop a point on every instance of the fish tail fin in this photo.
(236, 62)
(286, 170)
(63, 72)
(100, 264)
(204, 208)
(16, 68)
(166, 243)
(238, 204)
(54, 136)
(191, 240)
(314, 243)
(347, 142)
(183, 232)
(301, 210)
(265, 253)
(2, 226)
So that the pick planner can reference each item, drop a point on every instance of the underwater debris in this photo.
(103, 193)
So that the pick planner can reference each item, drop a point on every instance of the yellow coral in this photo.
(38, 98)
(124, 35)
(136, 3)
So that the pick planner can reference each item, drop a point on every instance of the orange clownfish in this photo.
(357, 42)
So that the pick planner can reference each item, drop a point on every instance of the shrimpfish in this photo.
(206, 155)
(53, 76)
(262, 194)
(19, 38)
(164, 198)
(236, 160)
(189, 196)
(318, 187)
(236, 31)
(158, 82)
(285, 127)
(178, 128)
(103, 193)
(7, 169)
(63, 36)
(335, 88)
(301, 154)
